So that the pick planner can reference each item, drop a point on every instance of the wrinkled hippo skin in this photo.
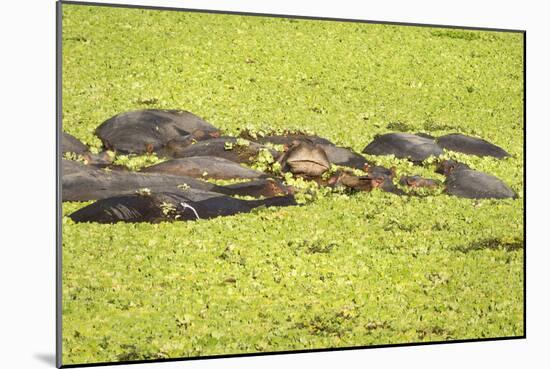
(184, 205)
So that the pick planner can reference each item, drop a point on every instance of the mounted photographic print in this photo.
(236, 184)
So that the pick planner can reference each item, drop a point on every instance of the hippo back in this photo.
(470, 145)
(404, 146)
(143, 131)
(472, 184)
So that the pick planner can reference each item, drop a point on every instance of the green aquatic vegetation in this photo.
(225, 182)
(74, 156)
(137, 162)
(265, 162)
(340, 269)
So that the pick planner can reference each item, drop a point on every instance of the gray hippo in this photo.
(230, 148)
(189, 204)
(205, 167)
(83, 183)
(464, 182)
(470, 145)
(345, 157)
(304, 158)
(335, 154)
(419, 182)
(354, 182)
(404, 146)
(70, 144)
(146, 131)
(377, 177)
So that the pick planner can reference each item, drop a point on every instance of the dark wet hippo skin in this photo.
(404, 146)
(336, 155)
(471, 145)
(245, 154)
(385, 176)
(354, 182)
(83, 183)
(464, 182)
(377, 177)
(70, 144)
(345, 157)
(418, 182)
(166, 206)
(205, 167)
(268, 187)
(477, 185)
(305, 159)
(446, 167)
(142, 131)
(175, 146)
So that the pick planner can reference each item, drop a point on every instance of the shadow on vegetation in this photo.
(493, 244)
(456, 34)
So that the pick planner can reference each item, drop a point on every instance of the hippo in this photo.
(189, 204)
(385, 176)
(305, 158)
(147, 131)
(470, 145)
(229, 148)
(354, 182)
(404, 146)
(446, 167)
(205, 167)
(345, 157)
(464, 182)
(70, 144)
(377, 177)
(83, 183)
(419, 182)
(263, 187)
(336, 154)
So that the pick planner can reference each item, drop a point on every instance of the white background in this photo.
(27, 180)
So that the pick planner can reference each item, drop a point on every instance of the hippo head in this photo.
(354, 182)
(380, 171)
(417, 182)
(305, 158)
(201, 135)
(177, 145)
(446, 167)
(411, 181)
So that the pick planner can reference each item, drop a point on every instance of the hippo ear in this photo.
(409, 181)
(393, 171)
(149, 148)
(199, 134)
(333, 179)
(377, 182)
